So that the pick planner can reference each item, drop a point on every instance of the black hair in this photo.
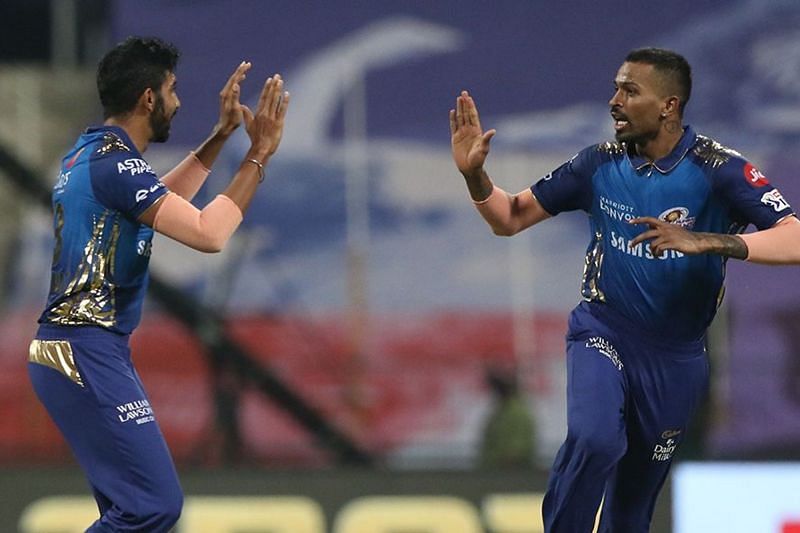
(131, 67)
(670, 64)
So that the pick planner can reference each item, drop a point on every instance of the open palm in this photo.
(470, 145)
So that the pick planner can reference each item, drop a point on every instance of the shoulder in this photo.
(110, 145)
(608, 148)
(711, 154)
(591, 157)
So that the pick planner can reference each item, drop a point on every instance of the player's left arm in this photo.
(748, 194)
(778, 245)
(190, 174)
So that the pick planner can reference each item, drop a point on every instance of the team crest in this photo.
(679, 216)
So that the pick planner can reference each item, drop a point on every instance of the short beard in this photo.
(633, 138)
(159, 122)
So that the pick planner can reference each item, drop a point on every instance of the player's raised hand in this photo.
(265, 126)
(230, 108)
(469, 143)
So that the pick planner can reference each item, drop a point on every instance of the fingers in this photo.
(466, 112)
(273, 100)
(653, 222)
(461, 114)
(284, 105)
(488, 137)
(453, 127)
(247, 115)
(647, 235)
(232, 85)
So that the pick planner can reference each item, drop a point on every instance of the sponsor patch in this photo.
(775, 200)
(141, 194)
(605, 348)
(754, 176)
(138, 412)
(134, 166)
(664, 451)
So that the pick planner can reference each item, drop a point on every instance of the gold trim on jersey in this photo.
(611, 147)
(112, 143)
(713, 153)
(57, 355)
(593, 263)
(89, 298)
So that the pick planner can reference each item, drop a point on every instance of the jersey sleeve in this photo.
(749, 195)
(124, 182)
(569, 187)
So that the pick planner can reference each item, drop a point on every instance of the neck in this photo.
(662, 144)
(137, 129)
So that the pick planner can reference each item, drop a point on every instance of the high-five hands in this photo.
(470, 145)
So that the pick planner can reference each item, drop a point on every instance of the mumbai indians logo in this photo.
(679, 216)
(605, 348)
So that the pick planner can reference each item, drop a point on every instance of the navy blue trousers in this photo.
(629, 399)
(104, 414)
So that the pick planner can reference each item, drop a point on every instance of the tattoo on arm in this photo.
(726, 245)
(479, 185)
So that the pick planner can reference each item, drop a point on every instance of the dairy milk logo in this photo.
(605, 348)
(664, 452)
(138, 411)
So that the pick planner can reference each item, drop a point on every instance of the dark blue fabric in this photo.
(701, 185)
(111, 429)
(629, 401)
(102, 253)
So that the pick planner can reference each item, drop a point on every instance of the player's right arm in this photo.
(209, 229)
(506, 213)
(189, 175)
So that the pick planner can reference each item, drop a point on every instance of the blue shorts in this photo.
(630, 397)
(85, 379)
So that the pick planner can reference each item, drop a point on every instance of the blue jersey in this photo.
(101, 253)
(701, 185)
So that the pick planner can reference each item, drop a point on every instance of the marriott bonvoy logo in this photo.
(138, 411)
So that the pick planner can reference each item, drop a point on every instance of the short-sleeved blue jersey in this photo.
(102, 252)
(701, 185)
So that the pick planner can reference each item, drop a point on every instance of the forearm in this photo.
(479, 184)
(243, 186)
(209, 149)
(207, 230)
(187, 177)
(779, 245)
(722, 244)
(497, 210)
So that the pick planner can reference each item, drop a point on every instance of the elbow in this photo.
(503, 231)
(210, 245)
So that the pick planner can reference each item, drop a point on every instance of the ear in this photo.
(671, 107)
(148, 99)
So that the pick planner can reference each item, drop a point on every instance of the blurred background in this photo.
(365, 351)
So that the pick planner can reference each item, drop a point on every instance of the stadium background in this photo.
(340, 346)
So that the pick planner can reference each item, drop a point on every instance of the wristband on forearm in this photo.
(207, 230)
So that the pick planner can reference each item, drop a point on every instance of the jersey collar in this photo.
(671, 160)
